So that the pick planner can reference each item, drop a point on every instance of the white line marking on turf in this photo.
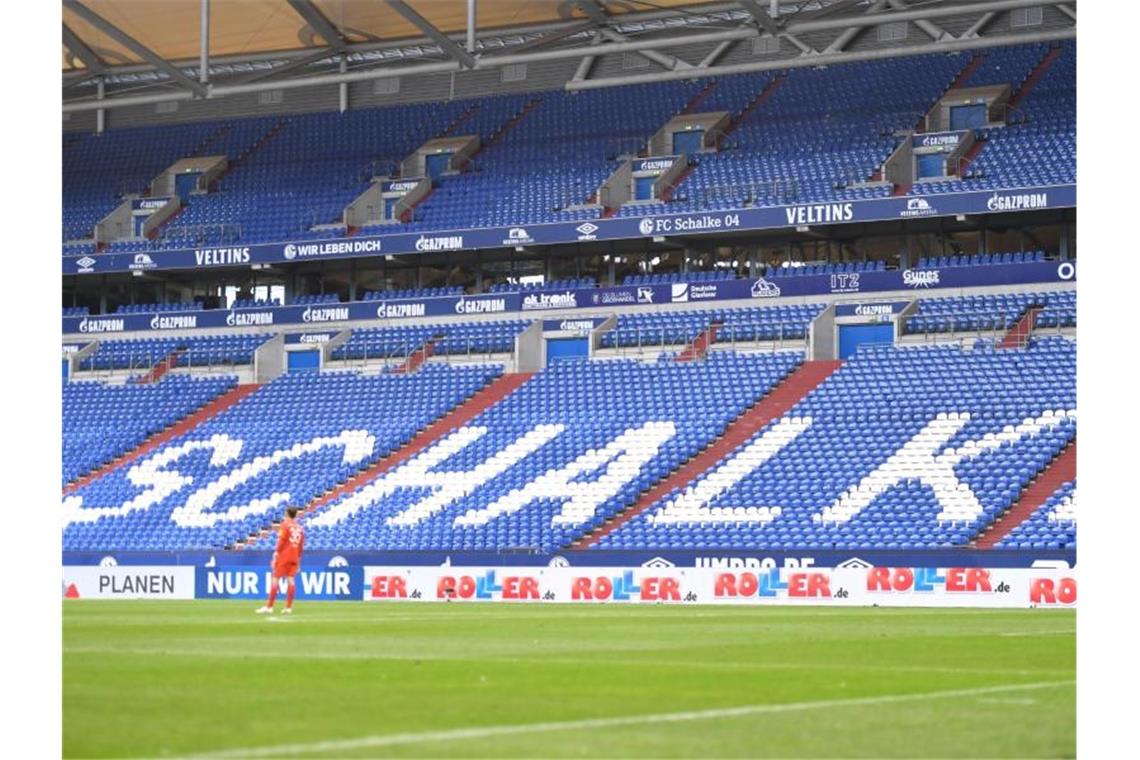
(435, 656)
(485, 732)
(1040, 633)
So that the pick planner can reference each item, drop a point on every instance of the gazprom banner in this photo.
(946, 140)
(770, 217)
(869, 309)
(655, 165)
(536, 302)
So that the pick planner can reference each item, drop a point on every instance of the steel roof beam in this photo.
(455, 51)
(81, 51)
(296, 63)
(319, 23)
(136, 47)
(934, 31)
(760, 16)
(584, 50)
(824, 59)
(844, 39)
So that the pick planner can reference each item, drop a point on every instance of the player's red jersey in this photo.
(290, 542)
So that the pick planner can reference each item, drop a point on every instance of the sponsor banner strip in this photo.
(852, 586)
(918, 280)
(128, 582)
(771, 217)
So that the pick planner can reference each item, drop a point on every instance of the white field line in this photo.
(1040, 633)
(539, 659)
(486, 732)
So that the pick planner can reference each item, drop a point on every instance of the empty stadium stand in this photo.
(543, 156)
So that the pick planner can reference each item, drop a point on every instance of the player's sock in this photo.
(289, 594)
(272, 595)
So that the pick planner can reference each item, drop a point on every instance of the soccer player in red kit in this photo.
(286, 560)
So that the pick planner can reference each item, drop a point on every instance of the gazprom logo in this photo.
(1017, 202)
(480, 305)
(247, 318)
(101, 325)
(443, 243)
(325, 314)
(174, 322)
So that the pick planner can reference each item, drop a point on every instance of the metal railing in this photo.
(988, 325)
(450, 350)
(220, 233)
(777, 191)
(132, 186)
(620, 146)
(195, 362)
(779, 336)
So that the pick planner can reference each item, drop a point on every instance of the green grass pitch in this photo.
(209, 678)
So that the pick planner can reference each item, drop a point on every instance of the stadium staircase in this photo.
(760, 99)
(242, 157)
(210, 139)
(459, 120)
(699, 98)
(184, 425)
(971, 154)
(699, 347)
(479, 402)
(155, 373)
(1061, 470)
(154, 233)
(772, 406)
(960, 80)
(1034, 76)
(1018, 335)
(667, 193)
(967, 72)
(510, 124)
(409, 212)
(417, 358)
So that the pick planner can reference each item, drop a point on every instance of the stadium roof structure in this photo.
(120, 53)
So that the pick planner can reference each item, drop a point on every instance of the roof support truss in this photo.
(81, 51)
(136, 47)
(319, 67)
(933, 30)
(455, 51)
(319, 24)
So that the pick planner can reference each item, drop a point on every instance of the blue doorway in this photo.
(566, 349)
(689, 141)
(304, 361)
(853, 336)
(643, 188)
(437, 163)
(931, 165)
(184, 184)
(968, 117)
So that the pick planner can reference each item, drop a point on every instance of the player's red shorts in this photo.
(284, 569)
